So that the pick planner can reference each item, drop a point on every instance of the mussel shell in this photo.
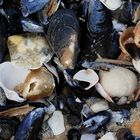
(29, 7)
(74, 134)
(63, 35)
(99, 19)
(30, 125)
(13, 15)
(3, 37)
(74, 107)
(31, 26)
(8, 127)
(97, 121)
(2, 97)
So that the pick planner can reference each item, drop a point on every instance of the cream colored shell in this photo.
(118, 82)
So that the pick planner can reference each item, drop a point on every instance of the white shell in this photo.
(29, 50)
(88, 75)
(56, 123)
(136, 64)
(10, 77)
(108, 136)
(112, 4)
(118, 82)
(88, 137)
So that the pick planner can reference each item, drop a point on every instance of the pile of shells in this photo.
(69, 70)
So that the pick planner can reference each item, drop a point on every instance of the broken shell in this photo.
(10, 77)
(38, 84)
(135, 128)
(29, 50)
(108, 136)
(88, 75)
(118, 81)
(136, 16)
(88, 137)
(137, 34)
(126, 37)
(111, 4)
(56, 123)
(95, 122)
(99, 106)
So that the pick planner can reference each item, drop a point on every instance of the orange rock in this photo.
(135, 128)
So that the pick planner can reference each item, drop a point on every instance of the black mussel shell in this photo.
(8, 127)
(73, 106)
(13, 15)
(74, 120)
(63, 35)
(99, 19)
(74, 134)
(3, 37)
(30, 125)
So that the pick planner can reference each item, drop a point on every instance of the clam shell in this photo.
(126, 37)
(38, 84)
(88, 75)
(10, 77)
(29, 50)
(118, 82)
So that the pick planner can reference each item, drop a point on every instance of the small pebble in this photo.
(108, 136)
(56, 123)
(135, 128)
(88, 137)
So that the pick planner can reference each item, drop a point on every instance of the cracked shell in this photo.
(29, 50)
(38, 84)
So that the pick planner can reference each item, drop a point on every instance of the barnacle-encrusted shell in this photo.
(118, 81)
(38, 84)
(29, 50)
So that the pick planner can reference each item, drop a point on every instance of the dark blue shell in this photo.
(8, 127)
(1, 2)
(3, 37)
(30, 125)
(97, 121)
(32, 6)
(99, 19)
